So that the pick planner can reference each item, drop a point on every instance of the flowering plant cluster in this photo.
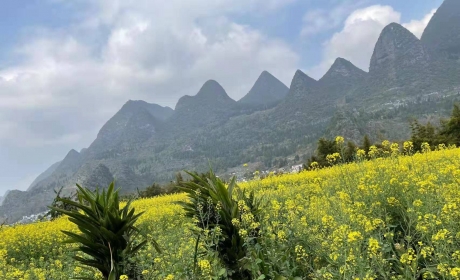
(393, 217)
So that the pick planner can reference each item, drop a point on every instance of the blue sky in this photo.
(67, 66)
(19, 18)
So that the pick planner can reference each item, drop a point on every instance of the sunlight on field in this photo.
(354, 221)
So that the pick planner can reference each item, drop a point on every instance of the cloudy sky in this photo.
(66, 66)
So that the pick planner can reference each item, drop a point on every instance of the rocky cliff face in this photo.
(100, 177)
(399, 57)
(442, 35)
(301, 85)
(135, 121)
(343, 70)
(211, 105)
(338, 80)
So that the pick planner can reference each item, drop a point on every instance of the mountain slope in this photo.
(299, 96)
(343, 72)
(301, 84)
(266, 92)
(3, 197)
(135, 122)
(137, 146)
(210, 106)
(399, 57)
(442, 34)
(44, 175)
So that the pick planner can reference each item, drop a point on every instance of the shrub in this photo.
(59, 203)
(224, 210)
(157, 189)
(107, 236)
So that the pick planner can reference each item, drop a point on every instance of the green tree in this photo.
(325, 147)
(366, 144)
(424, 133)
(349, 152)
(151, 191)
(59, 203)
(450, 129)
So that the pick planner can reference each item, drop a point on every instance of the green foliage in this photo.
(151, 191)
(328, 147)
(366, 144)
(447, 133)
(59, 203)
(219, 209)
(424, 134)
(451, 128)
(156, 189)
(108, 237)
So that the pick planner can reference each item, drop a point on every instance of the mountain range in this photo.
(144, 143)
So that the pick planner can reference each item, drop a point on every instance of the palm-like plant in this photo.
(107, 233)
(223, 207)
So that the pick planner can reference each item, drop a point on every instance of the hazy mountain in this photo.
(210, 106)
(301, 84)
(442, 35)
(100, 177)
(298, 98)
(135, 121)
(266, 92)
(44, 175)
(3, 197)
(342, 72)
(145, 143)
(70, 164)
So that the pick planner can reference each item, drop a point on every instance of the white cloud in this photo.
(418, 26)
(319, 20)
(69, 81)
(66, 85)
(356, 41)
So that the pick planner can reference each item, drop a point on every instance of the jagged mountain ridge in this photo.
(342, 69)
(442, 34)
(404, 82)
(44, 175)
(267, 91)
(135, 118)
(211, 105)
(399, 57)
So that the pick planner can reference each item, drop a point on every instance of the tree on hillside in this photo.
(156, 189)
(424, 134)
(448, 133)
(349, 152)
(366, 144)
(328, 147)
(451, 128)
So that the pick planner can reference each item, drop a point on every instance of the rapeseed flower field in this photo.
(396, 217)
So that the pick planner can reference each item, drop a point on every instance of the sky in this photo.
(67, 66)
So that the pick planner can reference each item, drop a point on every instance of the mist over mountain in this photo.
(144, 143)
